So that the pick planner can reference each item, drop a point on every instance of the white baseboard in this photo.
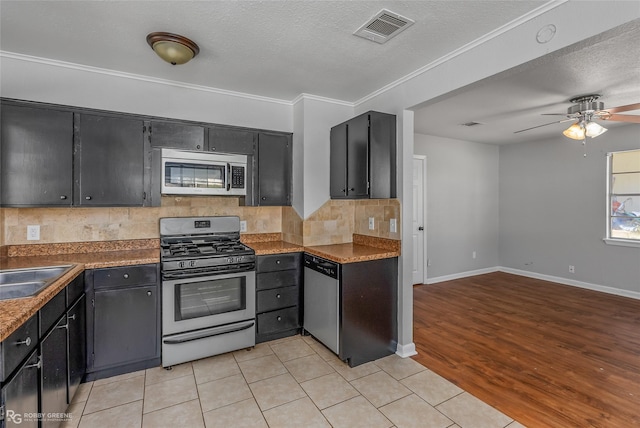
(462, 275)
(407, 350)
(574, 283)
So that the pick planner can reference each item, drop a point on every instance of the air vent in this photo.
(383, 26)
(469, 124)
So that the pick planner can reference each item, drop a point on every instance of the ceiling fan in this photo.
(584, 111)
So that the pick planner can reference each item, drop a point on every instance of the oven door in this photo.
(207, 301)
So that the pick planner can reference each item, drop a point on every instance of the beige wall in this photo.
(335, 222)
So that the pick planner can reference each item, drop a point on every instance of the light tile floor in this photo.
(292, 382)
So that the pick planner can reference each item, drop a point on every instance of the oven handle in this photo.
(207, 332)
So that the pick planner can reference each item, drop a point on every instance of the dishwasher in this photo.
(322, 301)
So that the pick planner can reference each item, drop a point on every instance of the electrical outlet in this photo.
(372, 223)
(473, 255)
(33, 232)
(393, 225)
(572, 269)
(243, 226)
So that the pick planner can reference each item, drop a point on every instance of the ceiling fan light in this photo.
(593, 129)
(575, 132)
(173, 48)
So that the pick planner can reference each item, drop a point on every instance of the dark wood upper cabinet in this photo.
(229, 140)
(110, 161)
(177, 135)
(274, 169)
(363, 157)
(36, 156)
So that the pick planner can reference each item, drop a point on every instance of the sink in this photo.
(18, 283)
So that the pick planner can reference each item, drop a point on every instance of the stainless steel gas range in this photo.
(208, 288)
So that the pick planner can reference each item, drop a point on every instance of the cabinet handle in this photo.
(264, 198)
(125, 276)
(63, 197)
(88, 198)
(277, 262)
(420, 228)
(198, 147)
(36, 365)
(213, 149)
(277, 296)
(279, 318)
(148, 293)
(71, 317)
(27, 342)
(63, 326)
(344, 190)
(352, 189)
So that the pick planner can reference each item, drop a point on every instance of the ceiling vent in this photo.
(383, 26)
(470, 124)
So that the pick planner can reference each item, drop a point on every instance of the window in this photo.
(623, 201)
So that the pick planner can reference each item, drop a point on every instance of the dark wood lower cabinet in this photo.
(77, 342)
(20, 395)
(278, 293)
(44, 361)
(53, 354)
(123, 320)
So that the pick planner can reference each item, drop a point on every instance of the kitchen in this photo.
(310, 119)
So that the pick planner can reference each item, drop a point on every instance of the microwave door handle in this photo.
(228, 177)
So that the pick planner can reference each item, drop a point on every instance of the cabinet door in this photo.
(338, 162)
(53, 351)
(77, 364)
(382, 155)
(177, 135)
(111, 161)
(274, 169)
(20, 396)
(358, 157)
(125, 326)
(37, 156)
(226, 140)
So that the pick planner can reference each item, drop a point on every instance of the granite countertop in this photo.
(274, 247)
(90, 255)
(350, 252)
(15, 312)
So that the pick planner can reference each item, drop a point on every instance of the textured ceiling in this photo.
(277, 49)
(608, 64)
(281, 49)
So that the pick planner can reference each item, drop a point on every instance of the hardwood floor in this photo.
(545, 354)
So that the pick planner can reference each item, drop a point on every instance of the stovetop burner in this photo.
(199, 245)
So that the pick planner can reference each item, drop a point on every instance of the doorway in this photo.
(418, 234)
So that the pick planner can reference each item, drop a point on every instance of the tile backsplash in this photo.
(335, 222)
(107, 224)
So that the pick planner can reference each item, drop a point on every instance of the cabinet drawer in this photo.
(125, 276)
(284, 319)
(16, 347)
(52, 311)
(277, 298)
(278, 262)
(285, 278)
(75, 289)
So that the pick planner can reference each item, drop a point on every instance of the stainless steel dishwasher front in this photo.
(322, 301)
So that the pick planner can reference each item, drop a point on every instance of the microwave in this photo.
(202, 173)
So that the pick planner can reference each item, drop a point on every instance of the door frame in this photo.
(423, 160)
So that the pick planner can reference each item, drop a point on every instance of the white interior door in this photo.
(418, 223)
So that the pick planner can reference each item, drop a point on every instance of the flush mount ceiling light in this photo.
(172, 48)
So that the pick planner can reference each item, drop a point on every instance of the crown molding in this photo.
(469, 46)
(304, 96)
(121, 74)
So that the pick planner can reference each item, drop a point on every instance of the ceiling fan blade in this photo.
(546, 124)
(623, 118)
(629, 107)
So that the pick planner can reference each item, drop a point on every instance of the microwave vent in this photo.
(383, 26)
